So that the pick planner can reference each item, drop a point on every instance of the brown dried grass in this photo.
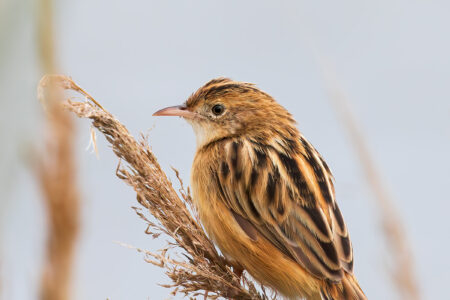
(56, 173)
(202, 271)
(401, 260)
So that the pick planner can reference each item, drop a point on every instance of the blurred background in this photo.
(389, 58)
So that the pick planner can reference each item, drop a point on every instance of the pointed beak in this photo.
(179, 110)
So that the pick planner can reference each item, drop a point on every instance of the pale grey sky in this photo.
(390, 57)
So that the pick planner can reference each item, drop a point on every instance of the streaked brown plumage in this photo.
(265, 195)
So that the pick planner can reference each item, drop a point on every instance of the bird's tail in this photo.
(347, 289)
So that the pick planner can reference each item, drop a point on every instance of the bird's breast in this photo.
(255, 254)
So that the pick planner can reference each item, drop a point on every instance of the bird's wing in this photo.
(287, 197)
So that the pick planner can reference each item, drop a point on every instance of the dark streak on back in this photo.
(297, 177)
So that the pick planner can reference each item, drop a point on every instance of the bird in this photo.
(264, 194)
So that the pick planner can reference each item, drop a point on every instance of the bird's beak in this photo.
(179, 110)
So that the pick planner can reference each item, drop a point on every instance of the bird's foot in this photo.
(238, 270)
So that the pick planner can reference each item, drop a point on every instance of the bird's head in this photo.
(225, 108)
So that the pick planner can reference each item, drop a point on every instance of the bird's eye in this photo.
(218, 109)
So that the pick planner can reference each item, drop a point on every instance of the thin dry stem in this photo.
(56, 173)
(403, 271)
(202, 270)
(45, 36)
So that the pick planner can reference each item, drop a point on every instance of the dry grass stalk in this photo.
(203, 271)
(45, 36)
(56, 173)
(402, 271)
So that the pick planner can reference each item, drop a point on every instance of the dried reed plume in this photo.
(203, 271)
(56, 173)
(402, 271)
